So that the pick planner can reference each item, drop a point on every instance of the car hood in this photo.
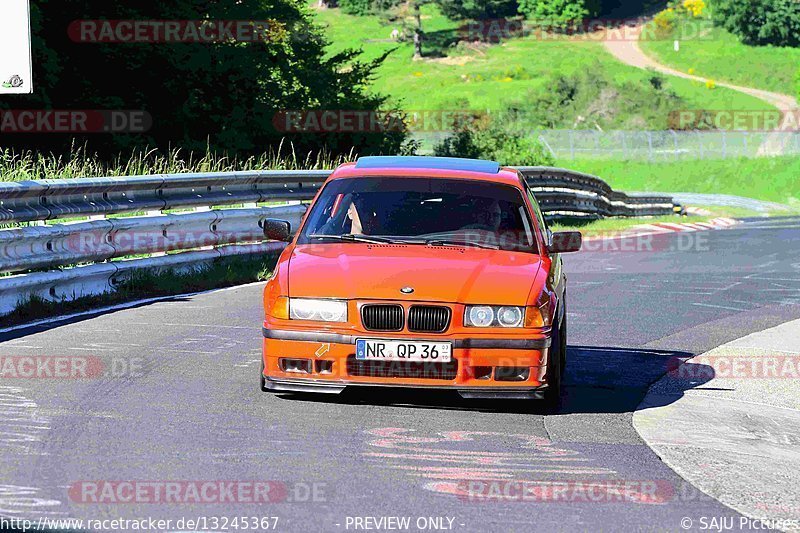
(436, 273)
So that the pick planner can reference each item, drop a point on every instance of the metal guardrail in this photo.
(556, 189)
(201, 236)
(37, 247)
(52, 199)
(567, 193)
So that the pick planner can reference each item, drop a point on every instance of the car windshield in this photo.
(431, 211)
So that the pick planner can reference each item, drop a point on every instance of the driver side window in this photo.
(537, 211)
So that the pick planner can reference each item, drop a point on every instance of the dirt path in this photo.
(629, 52)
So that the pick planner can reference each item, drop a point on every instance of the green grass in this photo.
(720, 56)
(511, 74)
(30, 165)
(771, 179)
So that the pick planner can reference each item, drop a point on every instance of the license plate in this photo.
(390, 350)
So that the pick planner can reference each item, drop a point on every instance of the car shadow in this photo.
(597, 380)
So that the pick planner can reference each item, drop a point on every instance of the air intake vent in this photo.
(382, 317)
(402, 369)
(428, 319)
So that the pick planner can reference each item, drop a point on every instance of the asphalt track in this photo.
(185, 405)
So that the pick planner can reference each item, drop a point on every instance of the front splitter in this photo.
(326, 387)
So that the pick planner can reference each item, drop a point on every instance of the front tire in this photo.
(555, 369)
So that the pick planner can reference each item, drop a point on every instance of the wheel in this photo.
(555, 369)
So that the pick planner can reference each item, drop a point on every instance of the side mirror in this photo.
(564, 242)
(277, 230)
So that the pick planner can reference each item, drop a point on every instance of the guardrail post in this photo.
(571, 144)
(675, 143)
(724, 144)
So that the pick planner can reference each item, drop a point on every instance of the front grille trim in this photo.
(421, 318)
(383, 317)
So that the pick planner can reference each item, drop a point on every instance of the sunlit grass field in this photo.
(719, 55)
(773, 179)
(495, 77)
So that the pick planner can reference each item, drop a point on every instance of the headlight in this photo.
(323, 310)
(480, 316)
(484, 316)
(509, 317)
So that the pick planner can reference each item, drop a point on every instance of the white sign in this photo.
(15, 47)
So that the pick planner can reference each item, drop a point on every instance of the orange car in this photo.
(419, 272)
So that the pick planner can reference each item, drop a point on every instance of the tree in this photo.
(559, 14)
(417, 30)
(478, 9)
(224, 94)
(760, 22)
(494, 139)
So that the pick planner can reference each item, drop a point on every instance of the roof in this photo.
(442, 163)
(427, 167)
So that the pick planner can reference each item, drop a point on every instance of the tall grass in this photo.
(31, 165)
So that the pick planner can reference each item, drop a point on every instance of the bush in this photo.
(693, 8)
(594, 99)
(665, 22)
(496, 141)
(356, 7)
(558, 14)
(478, 9)
(367, 7)
(760, 22)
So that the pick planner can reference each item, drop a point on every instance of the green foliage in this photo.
(495, 140)
(558, 14)
(760, 22)
(478, 9)
(593, 98)
(356, 7)
(223, 94)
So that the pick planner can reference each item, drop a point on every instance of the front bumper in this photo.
(331, 365)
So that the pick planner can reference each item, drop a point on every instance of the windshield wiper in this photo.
(349, 237)
(451, 242)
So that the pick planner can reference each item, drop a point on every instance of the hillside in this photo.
(527, 74)
(721, 56)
